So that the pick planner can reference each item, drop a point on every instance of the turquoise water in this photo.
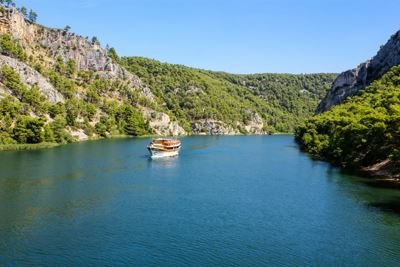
(225, 201)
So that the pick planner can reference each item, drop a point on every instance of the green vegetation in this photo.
(31, 16)
(282, 100)
(22, 114)
(11, 48)
(8, 3)
(295, 95)
(16, 147)
(363, 131)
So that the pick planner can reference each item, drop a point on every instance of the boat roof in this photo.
(165, 139)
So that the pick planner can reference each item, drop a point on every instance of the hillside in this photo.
(259, 103)
(360, 124)
(295, 95)
(362, 132)
(351, 82)
(56, 86)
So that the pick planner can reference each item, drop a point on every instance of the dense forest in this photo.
(363, 131)
(283, 100)
(296, 95)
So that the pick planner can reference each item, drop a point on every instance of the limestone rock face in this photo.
(31, 77)
(350, 82)
(213, 127)
(4, 92)
(255, 124)
(162, 124)
(78, 134)
(60, 43)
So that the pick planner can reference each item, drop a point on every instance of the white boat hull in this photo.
(162, 154)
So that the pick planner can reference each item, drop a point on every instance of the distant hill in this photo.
(202, 100)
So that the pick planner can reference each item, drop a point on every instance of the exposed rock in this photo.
(213, 127)
(60, 43)
(31, 77)
(385, 168)
(4, 92)
(78, 134)
(350, 82)
(161, 123)
(194, 90)
(255, 124)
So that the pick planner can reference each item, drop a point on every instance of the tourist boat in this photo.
(164, 147)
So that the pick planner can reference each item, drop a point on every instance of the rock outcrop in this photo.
(350, 82)
(213, 127)
(87, 55)
(254, 124)
(31, 77)
(161, 123)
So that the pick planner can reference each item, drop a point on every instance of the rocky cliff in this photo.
(352, 81)
(47, 45)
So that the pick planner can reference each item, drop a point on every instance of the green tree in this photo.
(9, 3)
(95, 40)
(101, 129)
(112, 53)
(70, 68)
(58, 126)
(28, 130)
(48, 134)
(32, 16)
(72, 107)
(11, 48)
(24, 12)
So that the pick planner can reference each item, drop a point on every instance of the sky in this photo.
(247, 36)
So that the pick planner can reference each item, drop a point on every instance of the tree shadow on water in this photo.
(392, 206)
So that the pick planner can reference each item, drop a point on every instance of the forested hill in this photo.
(364, 131)
(57, 86)
(259, 102)
(293, 94)
(350, 82)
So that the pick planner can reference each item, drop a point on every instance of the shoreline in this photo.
(384, 173)
(27, 147)
(30, 147)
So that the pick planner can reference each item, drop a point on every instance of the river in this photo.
(225, 201)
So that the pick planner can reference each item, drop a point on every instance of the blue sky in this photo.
(248, 36)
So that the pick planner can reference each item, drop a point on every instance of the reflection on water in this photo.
(165, 163)
(374, 192)
(106, 203)
(392, 205)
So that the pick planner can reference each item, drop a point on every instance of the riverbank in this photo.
(384, 173)
(385, 170)
(21, 147)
